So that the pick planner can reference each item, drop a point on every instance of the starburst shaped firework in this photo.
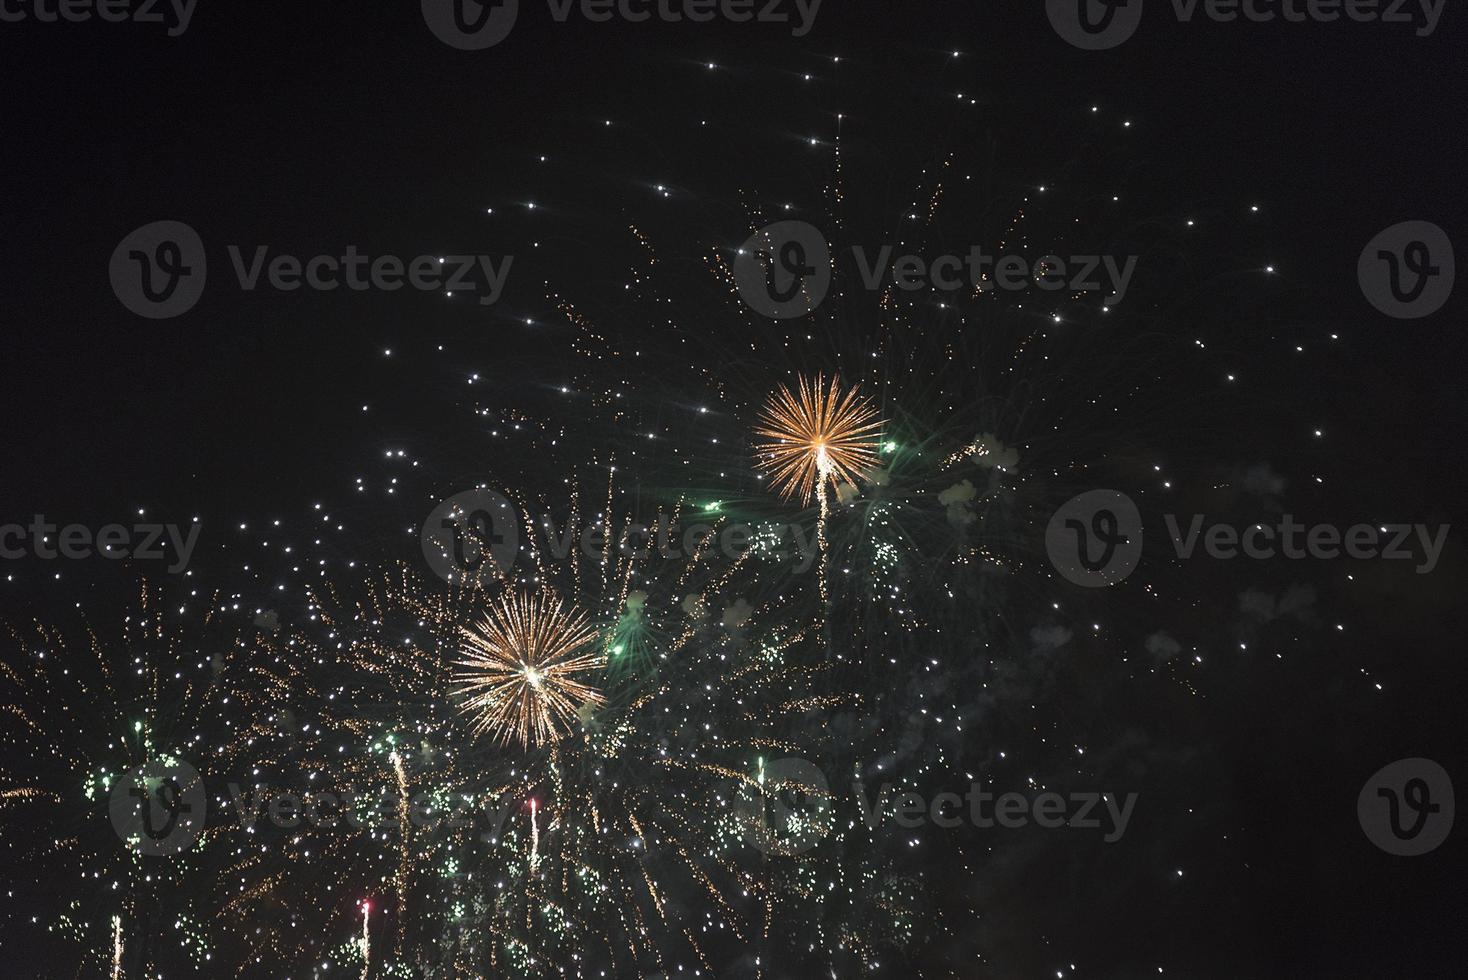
(521, 670)
(815, 434)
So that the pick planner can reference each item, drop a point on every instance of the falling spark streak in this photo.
(366, 941)
(823, 464)
(534, 836)
(404, 856)
(117, 947)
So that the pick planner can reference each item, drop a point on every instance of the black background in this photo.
(316, 125)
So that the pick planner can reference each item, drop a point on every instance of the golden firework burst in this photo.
(814, 434)
(521, 667)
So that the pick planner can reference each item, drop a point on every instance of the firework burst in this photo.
(85, 709)
(616, 837)
(815, 435)
(523, 663)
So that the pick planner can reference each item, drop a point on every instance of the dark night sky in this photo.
(312, 126)
(310, 129)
